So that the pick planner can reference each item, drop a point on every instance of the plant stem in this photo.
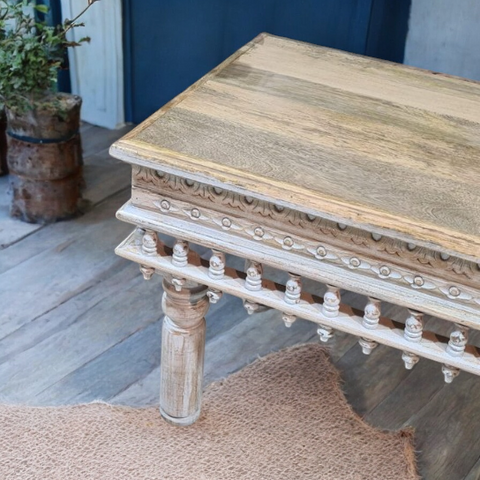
(72, 22)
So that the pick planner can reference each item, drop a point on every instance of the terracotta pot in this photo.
(45, 160)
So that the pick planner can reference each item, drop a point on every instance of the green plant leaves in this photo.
(42, 8)
(31, 52)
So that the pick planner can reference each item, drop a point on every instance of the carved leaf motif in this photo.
(313, 224)
(418, 282)
(384, 271)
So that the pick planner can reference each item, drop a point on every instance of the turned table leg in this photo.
(185, 304)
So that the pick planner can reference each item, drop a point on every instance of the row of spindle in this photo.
(414, 324)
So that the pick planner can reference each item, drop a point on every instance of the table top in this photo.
(384, 147)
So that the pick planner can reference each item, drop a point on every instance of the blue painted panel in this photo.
(54, 17)
(170, 44)
(388, 29)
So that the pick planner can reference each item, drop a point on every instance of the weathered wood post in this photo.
(185, 304)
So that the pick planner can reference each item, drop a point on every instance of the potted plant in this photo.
(44, 148)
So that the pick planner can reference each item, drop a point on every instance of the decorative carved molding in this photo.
(164, 183)
(325, 333)
(214, 295)
(331, 302)
(217, 265)
(367, 345)
(420, 344)
(410, 360)
(180, 253)
(458, 341)
(149, 242)
(372, 314)
(254, 272)
(414, 326)
(147, 272)
(251, 307)
(349, 237)
(293, 289)
(449, 373)
(288, 319)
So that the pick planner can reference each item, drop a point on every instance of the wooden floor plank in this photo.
(103, 326)
(474, 473)
(109, 373)
(60, 235)
(446, 430)
(11, 230)
(45, 281)
(373, 377)
(409, 396)
(97, 139)
(66, 314)
(122, 365)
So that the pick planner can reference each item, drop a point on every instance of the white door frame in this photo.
(96, 68)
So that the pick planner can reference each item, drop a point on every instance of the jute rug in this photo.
(282, 418)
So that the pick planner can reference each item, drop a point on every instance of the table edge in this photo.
(375, 221)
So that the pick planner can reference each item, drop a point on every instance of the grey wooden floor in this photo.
(79, 324)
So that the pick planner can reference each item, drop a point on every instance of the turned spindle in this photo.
(251, 307)
(458, 341)
(367, 345)
(449, 373)
(214, 295)
(410, 360)
(149, 243)
(178, 283)
(147, 272)
(371, 314)
(288, 319)
(414, 326)
(180, 253)
(293, 289)
(331, 301)
(325, 333)
(254, 272)
(216, 269)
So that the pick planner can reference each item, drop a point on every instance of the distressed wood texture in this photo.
(372, 144)
(183, 347)
(336, 169)
(96, 335)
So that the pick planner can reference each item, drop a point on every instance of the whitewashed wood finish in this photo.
(291, 156)
(311, 265)
(309, 307)
(356, 140)
(183, 349)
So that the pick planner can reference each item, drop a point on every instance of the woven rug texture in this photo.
(282, 418)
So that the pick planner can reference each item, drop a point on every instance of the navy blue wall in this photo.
(169, 44)
(54, 17)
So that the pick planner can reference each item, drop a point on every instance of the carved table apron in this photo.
(356, 173)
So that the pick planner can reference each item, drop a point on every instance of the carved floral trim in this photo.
(320, 251)
(163, 182)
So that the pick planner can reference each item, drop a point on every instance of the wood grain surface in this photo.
(385, 147)
(101, 339)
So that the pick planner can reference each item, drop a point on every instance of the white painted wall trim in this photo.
(96, 69)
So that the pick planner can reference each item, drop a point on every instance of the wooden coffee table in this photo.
(359, 174)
